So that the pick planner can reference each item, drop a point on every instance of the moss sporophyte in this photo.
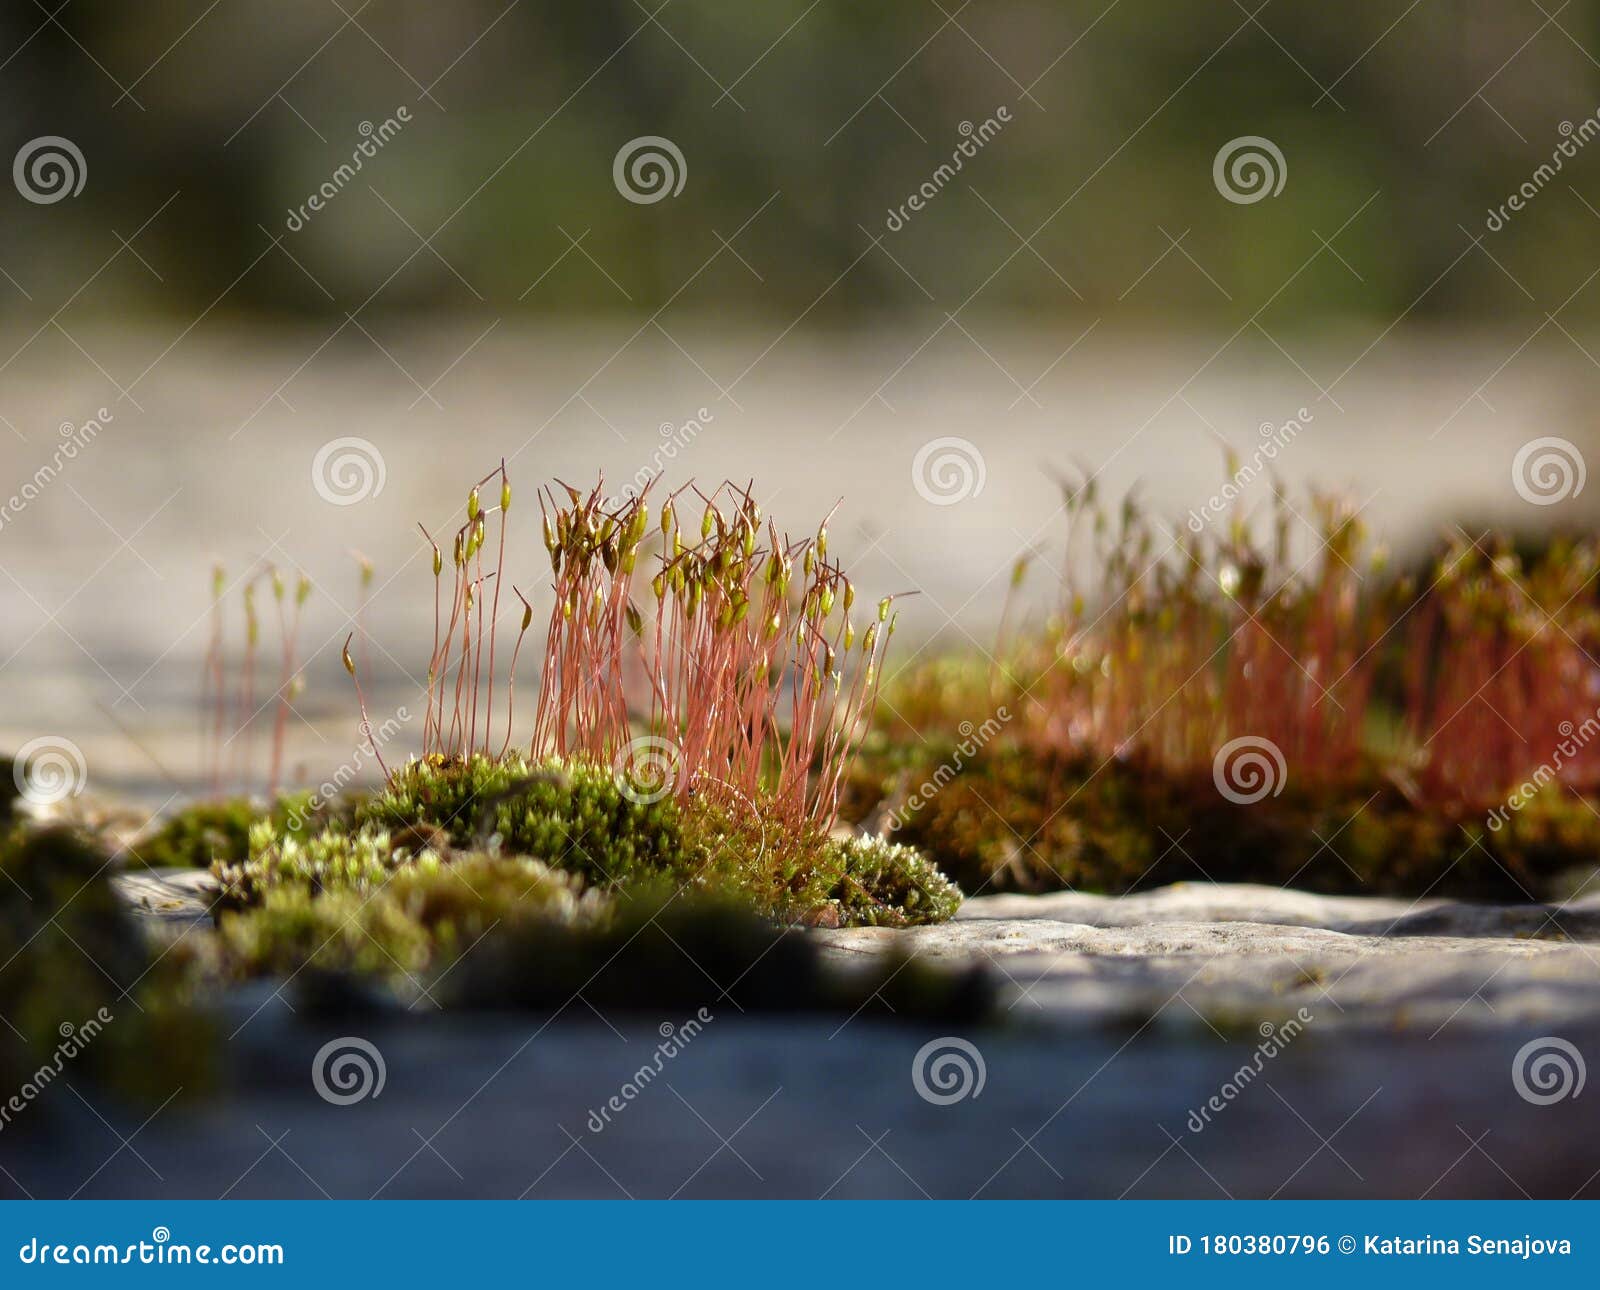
(702, 720)
(1423, 729)
(703, 691)
(668, 804)
(670, 794)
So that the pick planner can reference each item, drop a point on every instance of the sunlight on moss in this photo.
(583, 820)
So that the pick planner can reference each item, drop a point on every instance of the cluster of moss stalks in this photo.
(1425, 731)
(997, 812)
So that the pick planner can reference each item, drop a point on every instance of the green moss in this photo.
(571, 814)
(409, 931)
(214, 832)
(578, 818)
(1016, 820)
(69, 948)
(888, 884)
(337, 859)
(805, 876)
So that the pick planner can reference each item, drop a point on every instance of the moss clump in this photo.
(805, 876)
(68, 946)
(338, 859)
(208, 833)
(409, 931)
(1387, 719)
(889, 884)
(500, 932)
(572, 814)
(582, 820)
(1016, 820)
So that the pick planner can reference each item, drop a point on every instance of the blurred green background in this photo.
(518, 108)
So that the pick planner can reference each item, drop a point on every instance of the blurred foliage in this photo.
(82, 992)
(478, 935)
(1014, 820)
(1420, 117)
(1423, 732)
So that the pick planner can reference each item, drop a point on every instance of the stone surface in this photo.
(1150, 1046)
(181, 897)
(1239, 952)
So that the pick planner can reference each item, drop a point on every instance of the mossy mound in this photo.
(68, 947)
(1013, 819)
(571, 814)
(805, 876)
(208, 833)
(882, 883)
(409, 931)
(583, 820)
